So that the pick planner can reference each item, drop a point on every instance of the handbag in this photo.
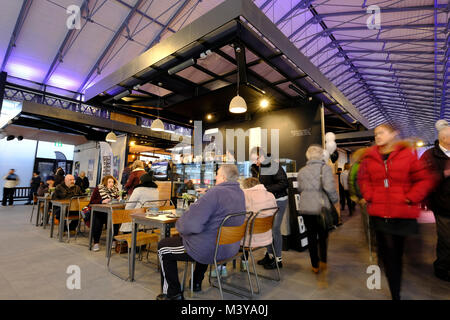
(328, 217)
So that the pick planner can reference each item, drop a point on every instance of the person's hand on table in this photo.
(106, 201)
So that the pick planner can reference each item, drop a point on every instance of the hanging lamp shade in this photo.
(157, 125)
(111, 137)
(238, 105)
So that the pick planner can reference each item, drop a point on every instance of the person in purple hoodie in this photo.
(198, 229)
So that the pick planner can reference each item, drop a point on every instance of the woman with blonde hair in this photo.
(137, 170)
(316, 183)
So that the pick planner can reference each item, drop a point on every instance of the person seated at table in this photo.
(133, 180)
(147, 190)
(42, 190)
(104, 193)
(65, 191)
(184, 188)
(258, 198)
(82, 181)
(198, 229)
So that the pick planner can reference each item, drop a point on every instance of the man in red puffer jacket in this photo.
(393, 182)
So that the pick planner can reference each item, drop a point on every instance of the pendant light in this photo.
(238, 104)
(157, 124)
(111, 137)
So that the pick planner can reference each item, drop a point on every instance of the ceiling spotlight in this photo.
(132, 143)
(264, 103)
(309, 98)
(209, 117)
(190, 121)
(420, 143)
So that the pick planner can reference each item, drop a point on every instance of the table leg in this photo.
(45, 213)
(38, 211)
(90, 229)
(133, 250)
(52, 224)
(62, 218)
(108, 234)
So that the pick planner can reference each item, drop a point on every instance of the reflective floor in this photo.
(33, 266)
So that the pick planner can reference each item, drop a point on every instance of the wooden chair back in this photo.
(123, 216)
(262, 225)
(231, 234)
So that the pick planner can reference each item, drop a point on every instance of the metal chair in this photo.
(257, 226)
(34, 203)
(75, 204)
(229, 235)
(142, 238)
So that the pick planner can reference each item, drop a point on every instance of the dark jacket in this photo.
(62, 192)
(59, 177)
(42, 190)
(125, 175)
(277, 183)
(437, 161)
(35, 182)
(199, 225)
(83, 183)
(407, 179)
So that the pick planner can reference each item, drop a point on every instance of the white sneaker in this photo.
(96, 247)
(113, 246)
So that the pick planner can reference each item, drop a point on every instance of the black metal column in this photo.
(3, 76)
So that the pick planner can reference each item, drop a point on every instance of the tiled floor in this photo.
(33, 266)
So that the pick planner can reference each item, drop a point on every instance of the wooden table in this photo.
(63, 205)
(162, 222)
(108, 209)
(45, 201)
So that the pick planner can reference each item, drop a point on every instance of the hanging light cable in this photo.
(238, 104)
(157, 124)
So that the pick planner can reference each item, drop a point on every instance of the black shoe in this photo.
(273, 265)
(197, 287)
(163, 296)
(264, 260)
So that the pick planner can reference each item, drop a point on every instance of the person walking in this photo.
(343, 180)
(393, 182)
(274, 179)
(314, 180)
(11, 182)
(438, 161)
(34, 184)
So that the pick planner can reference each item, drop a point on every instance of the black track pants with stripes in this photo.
(171, 250)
